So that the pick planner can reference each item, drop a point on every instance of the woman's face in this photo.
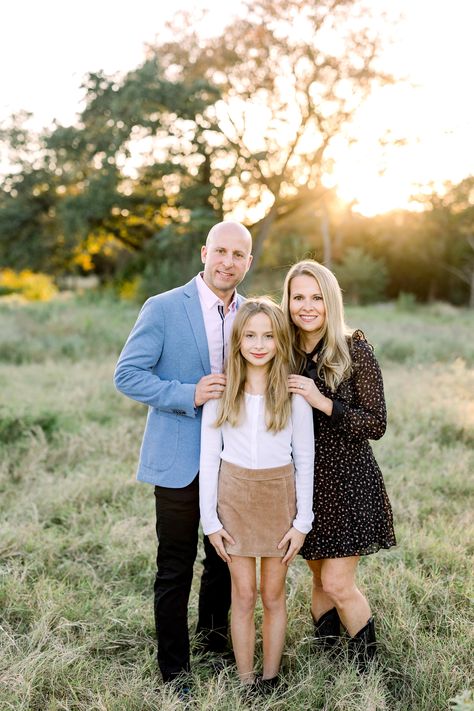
(307, 310)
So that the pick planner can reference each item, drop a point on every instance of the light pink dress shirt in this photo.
(218, 324)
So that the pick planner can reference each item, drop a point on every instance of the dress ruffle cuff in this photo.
(337, 414)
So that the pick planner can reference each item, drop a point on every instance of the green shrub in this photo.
(362, 277)
(406, 301)
(170, 258)
(13, 428)
(395, 350)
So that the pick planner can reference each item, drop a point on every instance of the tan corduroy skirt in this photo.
(257, 507)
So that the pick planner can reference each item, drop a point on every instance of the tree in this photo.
(71, 196)
(362, 277)
(298, 69)
(452, 216)
(448, 247)
(28, 227)
(244, 120)
(463, 207)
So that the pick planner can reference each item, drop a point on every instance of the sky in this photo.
(47, 47)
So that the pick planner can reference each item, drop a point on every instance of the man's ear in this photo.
(203, 253)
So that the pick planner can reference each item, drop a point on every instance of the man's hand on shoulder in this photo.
(210, 387)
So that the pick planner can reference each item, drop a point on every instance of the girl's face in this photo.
(258, 345)
(307, 310)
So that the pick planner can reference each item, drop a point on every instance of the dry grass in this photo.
(77, 533)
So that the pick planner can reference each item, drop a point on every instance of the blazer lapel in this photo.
(196, 321)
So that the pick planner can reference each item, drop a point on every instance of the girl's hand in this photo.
(300, 385)
(296, 539)
(217, 539)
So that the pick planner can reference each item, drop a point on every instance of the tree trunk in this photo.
(432, 291)
(259, 241)
(327, 251)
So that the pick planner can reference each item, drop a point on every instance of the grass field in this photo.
(77, 542)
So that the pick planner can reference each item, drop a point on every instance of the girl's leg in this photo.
(273, 592)
(338, 583)
(244, 596)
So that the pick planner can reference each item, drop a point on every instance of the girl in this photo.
(338, 375)
(256, 480)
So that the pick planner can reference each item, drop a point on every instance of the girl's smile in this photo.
(258, 344)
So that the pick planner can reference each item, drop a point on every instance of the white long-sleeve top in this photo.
(252, 446)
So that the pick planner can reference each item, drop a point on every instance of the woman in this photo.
(337, 373)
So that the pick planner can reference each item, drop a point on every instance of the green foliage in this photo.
(28, 229)
(285, 249)
(71, 208)
(406, 301)
(188, 104)
(363, 278)
(172, 257)
(13, 428)
(169, 140)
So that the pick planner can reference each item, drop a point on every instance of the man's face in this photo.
(226, 259)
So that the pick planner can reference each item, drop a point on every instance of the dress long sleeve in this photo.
(367, 419)
(211, 448)
(302, 442)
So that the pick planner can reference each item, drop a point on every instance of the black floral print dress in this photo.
(352, 512)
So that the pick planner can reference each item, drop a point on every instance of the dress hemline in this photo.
(365, 552)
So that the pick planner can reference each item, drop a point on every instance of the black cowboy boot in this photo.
(327, 629)
(363, 645)
(265, 687)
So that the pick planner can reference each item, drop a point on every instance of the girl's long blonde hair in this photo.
(334, 362)
(277, 399)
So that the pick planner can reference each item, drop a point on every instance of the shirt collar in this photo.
(208, 298)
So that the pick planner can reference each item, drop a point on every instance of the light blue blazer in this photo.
(164, 357)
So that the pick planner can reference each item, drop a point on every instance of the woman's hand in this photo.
(296, 539)
(217, 539)
(306, 387)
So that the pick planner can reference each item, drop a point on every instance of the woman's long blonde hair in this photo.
(334, 362)
(277, 399)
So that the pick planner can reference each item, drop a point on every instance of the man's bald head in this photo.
(230, 228)
(226, 257)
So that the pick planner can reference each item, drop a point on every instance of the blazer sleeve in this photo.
(367, 418)
(211, 448)
(134, 376)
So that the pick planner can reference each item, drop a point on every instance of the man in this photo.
(173, 362)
